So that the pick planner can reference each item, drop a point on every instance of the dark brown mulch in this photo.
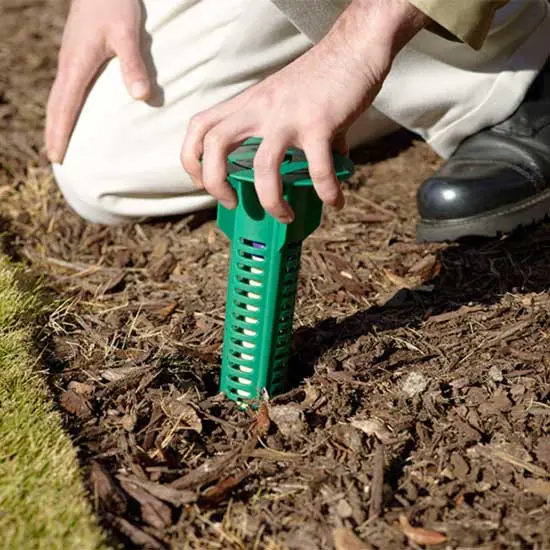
(420, 377)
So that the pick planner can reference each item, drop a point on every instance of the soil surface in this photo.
(419, 391)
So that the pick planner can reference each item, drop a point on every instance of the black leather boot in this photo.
(497, 180)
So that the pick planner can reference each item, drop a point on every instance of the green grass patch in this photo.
(42, 500)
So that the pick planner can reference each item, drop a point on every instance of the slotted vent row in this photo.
(283, 341)
(249, 288)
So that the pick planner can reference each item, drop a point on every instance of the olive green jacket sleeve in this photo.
(466, 20)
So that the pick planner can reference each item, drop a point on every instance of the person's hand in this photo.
(309, 104)
(96, 31)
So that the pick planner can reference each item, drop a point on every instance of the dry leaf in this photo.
(83, 389)
(344, 539)
(261, 423)
(419, 535)
(129, 421)
(312, 394)
(289, 419)
(373, 426)
(113, 375)
(183, 413)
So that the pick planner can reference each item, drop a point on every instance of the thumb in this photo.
(132, 65)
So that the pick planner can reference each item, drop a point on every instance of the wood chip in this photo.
(374, 218)
(515, 330)
(76, 404)
(456, 314)
(161, 269)
(375, 206)
(271, 454)
(165, 310)
(467, 430)
(135, 534)
(153, 510)
(424, 265)
(460, 466)
(223, 488)
(207, 472)
(542, 450)
(538, 487)
(377, 485)
(175, 497)
(5, 190)
(147, 379)
(161, 246)
(129, 421)
(345, 539)
(419, 535)
(106, 489)
(510, 459)
(396, 280)
(113, 284)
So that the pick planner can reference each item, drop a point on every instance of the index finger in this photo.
(193, 144)
(65, 102)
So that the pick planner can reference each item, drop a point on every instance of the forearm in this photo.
(384, 26)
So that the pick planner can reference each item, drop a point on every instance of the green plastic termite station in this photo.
(263, 272)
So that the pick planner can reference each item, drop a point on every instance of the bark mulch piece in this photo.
(418, 408)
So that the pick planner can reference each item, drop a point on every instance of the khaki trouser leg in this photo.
(446, 91)
(123, 158)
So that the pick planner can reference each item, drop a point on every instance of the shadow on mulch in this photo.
(385, 148)
(474, 272)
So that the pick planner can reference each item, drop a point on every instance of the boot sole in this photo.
(489, 224)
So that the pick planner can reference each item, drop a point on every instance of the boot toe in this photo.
(466, 188)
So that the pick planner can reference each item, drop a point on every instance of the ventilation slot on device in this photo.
(248, 288)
